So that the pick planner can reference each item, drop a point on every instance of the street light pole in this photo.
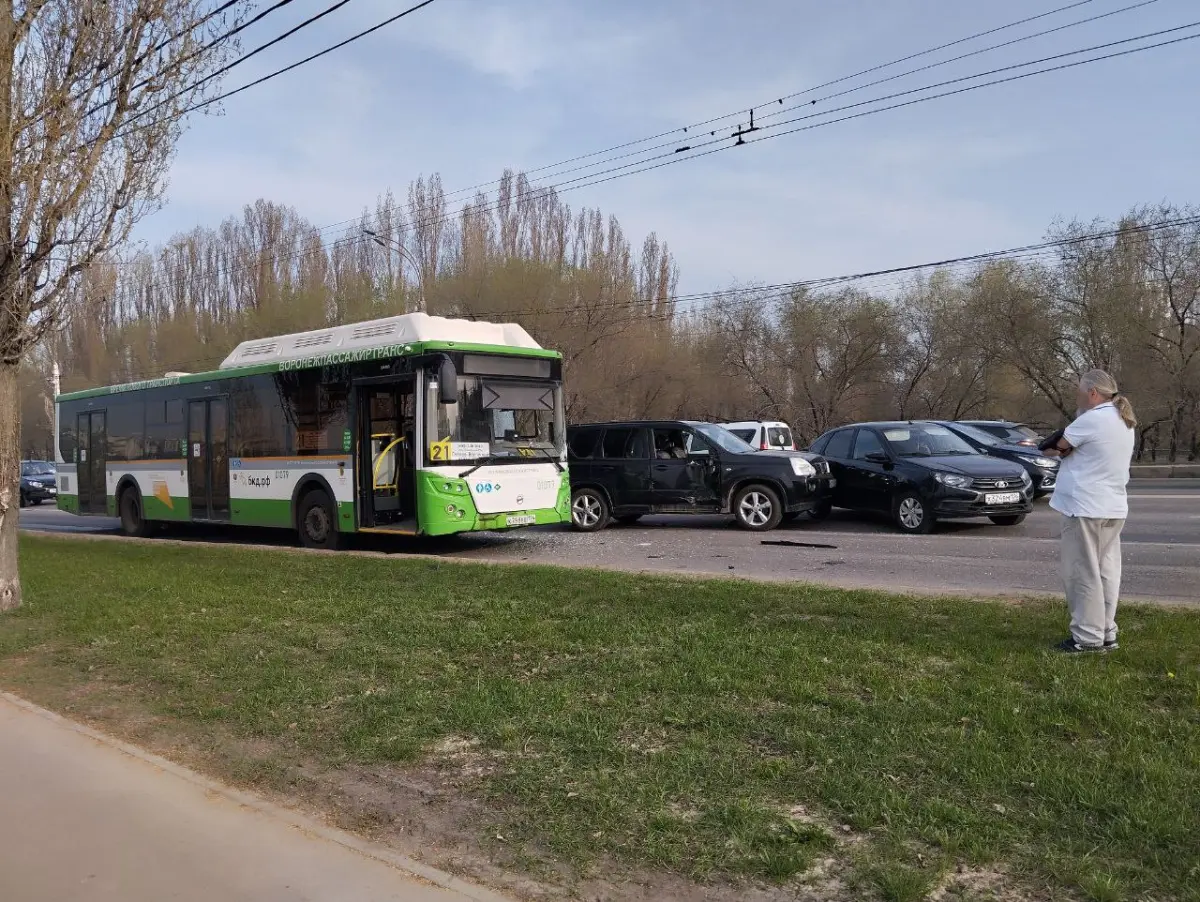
(404, 255)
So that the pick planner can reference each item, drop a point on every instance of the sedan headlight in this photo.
(954, 480)
(35, 485)
(802, 467)
(1046, 463)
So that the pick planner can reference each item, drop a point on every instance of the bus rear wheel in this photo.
(318, 521)
(130, 508)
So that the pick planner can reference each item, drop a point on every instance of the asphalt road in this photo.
(1161, 548)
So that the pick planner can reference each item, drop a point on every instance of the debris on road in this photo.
(787, 543)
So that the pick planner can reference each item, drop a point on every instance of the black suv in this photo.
(39, 482)
(623, 471)
(919, 473)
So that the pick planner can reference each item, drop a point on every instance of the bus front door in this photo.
(91, 473)
(386, 467)
(208, 459)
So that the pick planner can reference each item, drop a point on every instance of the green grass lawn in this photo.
(710, 729)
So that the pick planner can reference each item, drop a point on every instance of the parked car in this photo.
(1013, 433)
(919, 473)
(764, 436)
(39, 482)
(623, 471)
(1041, 469)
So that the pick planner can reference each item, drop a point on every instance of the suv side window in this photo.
(670, 444)
(583, 443)
(838, 445)
(746, 435)
(625, 443)
(867, 443)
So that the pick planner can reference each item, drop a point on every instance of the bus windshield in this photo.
(496, 418)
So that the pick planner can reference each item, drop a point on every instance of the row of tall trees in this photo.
(1004, 338)
(1001, 338)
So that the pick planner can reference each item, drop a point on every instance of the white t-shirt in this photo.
(1092, 478)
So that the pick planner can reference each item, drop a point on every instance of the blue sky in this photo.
(468, 87)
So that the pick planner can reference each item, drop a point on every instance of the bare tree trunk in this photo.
(10, 487)
(10, 400)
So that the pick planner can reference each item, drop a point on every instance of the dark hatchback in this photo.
(623, 471)
(39, 482)
(1041, 469)
(919, 473)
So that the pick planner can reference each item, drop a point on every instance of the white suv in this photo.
(764, 436)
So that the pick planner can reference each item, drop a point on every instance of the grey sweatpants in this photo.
(1091, 572)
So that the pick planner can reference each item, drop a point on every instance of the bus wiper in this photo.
(558, 463)
(505, 458)
(484, 461)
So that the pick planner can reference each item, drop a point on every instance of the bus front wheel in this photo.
(318, 521)
(130, 508)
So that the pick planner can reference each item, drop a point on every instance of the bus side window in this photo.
(164, 429)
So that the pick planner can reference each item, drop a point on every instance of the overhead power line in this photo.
(725, 144)
(311, 20)
(275, 74)
(1027, 252)
(710, 147)
(1019, 252)
(650, 163)
(702, 124)
(672, 159)
(171, 39)
(674, 146)
(692, 127)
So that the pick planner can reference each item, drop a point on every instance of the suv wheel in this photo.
(1008, 520)
(913, 515)
(318, 521)
(757, 508)
(589, 510)
(24, 501)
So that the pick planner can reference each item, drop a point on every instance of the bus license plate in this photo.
(521, 520)
(1003, 498)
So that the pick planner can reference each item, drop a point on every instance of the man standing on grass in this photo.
(1097, 449)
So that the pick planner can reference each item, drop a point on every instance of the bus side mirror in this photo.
(447, 382)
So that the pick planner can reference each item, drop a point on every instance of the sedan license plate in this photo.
(521, 520)
(1002, 498)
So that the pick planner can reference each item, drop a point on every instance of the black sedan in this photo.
(39, 482)
(1013, 433)
(1041, 469)
(919, 473)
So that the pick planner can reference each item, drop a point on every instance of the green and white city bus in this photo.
(411, 424)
